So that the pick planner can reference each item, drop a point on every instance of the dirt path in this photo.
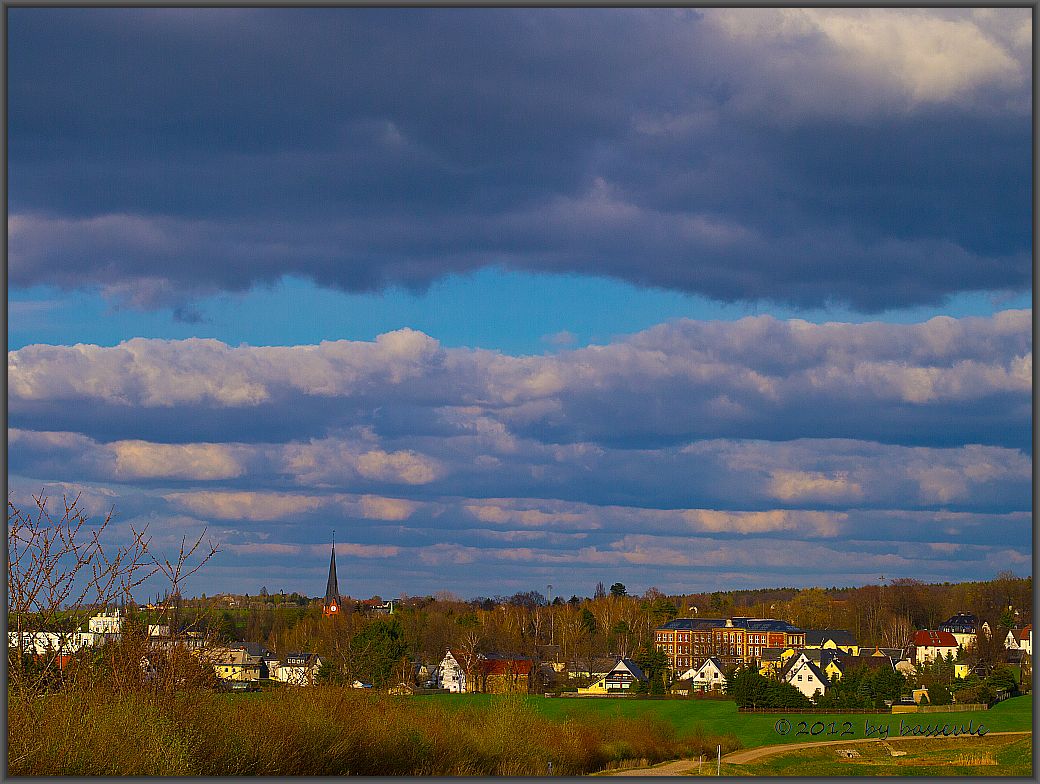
(680, 767)
(753, 755)
(676, 768)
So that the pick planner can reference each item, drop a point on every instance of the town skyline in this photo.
(691, 299)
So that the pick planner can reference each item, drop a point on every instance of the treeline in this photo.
(581, 630)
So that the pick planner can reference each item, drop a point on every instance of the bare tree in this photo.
(469, 652)
(897, 631)
(62, 568)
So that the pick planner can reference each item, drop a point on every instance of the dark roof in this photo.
(694, 623)
(332, 589)
(252, 648)
(595, 664)
(895, 653)
(840, 637)
(873, 662)
(634, 668)
(751, 624)
(815, 670)
(766, 625)
(961, 623)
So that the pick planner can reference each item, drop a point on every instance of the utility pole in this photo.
(718, 767)
(552, 626)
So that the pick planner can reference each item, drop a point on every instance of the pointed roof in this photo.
(332, 590)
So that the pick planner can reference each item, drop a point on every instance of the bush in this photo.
(979, 693)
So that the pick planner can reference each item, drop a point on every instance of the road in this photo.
(681, 767)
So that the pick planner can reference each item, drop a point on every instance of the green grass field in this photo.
(1006, 755)
(758, 729)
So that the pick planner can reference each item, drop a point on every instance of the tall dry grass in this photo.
(323, 731)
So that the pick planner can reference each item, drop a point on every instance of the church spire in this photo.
(332, 601)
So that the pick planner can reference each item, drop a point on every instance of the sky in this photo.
(692, 299)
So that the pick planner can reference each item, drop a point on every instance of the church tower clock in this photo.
(332, 605)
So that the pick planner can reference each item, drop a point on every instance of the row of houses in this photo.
(690, 642)
(247, 662)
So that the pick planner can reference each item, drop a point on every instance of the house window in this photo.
(799, 677)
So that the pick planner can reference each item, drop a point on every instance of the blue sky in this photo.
(519, 312)
(690, 298)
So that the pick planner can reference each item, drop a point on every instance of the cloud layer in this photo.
(755, 452)
(875, 157)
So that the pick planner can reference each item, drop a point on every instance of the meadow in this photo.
(752, 729)
(338, 731)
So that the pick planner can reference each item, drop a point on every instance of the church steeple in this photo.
(332, 603)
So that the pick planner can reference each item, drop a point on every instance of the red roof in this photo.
(931, 639)
(506, 666)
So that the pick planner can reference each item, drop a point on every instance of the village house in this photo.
(806, 676)
(926, 645)
(1020, 640)
(106, 623)
(594, 667)
(710, 676)
(232, 664)
(451, 675)
(490, 673)
(298, 669)
(619, 680)
(832, 639)
(840, 665)
(775, 659)
(965, 628)
(505, 675)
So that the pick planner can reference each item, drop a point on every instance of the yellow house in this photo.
(832, 671)
(961, 670)
(774, 659)
(599, 687)
(831, 639)
(619, 680)
(232, 664)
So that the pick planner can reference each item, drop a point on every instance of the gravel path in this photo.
(680, 767)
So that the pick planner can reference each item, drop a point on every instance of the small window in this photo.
(799, 677)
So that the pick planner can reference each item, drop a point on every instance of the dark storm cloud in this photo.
(162, 153)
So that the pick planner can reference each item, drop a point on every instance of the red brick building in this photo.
(688, 642)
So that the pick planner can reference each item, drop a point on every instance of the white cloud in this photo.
(881, 57)
(143, 460)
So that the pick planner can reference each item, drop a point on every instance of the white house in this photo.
(1020, 639)
(49, 643)
(927, 645)
(805, 676)
(708, 677)
(106, 623)
(298, 669)
(965, 627)
(451, 675)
